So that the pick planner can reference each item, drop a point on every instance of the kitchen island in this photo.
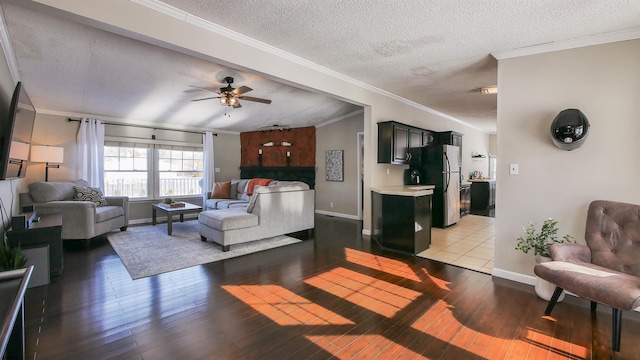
(401, 217)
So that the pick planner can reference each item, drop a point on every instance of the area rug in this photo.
(148, 250)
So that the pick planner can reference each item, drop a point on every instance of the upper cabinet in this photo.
(394, 140)
(451, 138)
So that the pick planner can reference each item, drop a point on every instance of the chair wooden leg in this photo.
(594, 305)
(617, 329)
(554, 299)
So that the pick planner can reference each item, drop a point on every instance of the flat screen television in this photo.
(16, 129)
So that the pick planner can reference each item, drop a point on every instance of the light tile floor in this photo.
(469, 244)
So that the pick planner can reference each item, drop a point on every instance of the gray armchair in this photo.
(80, 219)
(607, 269)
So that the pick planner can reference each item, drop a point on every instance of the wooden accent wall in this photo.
(303, 148)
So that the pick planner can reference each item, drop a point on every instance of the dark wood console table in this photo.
(47, 231)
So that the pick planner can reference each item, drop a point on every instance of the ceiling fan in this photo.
(230, 96)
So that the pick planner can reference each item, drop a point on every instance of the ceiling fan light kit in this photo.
(275, 128)
(489, 90)
(230, 96)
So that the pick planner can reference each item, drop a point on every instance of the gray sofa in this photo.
(238, 197)
(80, 219)
(283, 207)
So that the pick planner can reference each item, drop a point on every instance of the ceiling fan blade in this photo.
(237, 105)
(207, 98)
(203, 88)
(242, 90)
(249, 98)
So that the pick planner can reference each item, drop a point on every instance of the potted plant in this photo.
(11, 257)
(540, 242)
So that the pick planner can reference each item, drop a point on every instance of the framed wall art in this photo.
(334, 165)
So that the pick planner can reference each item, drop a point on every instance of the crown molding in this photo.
(171, 11)
(340, 118)
(624, 35)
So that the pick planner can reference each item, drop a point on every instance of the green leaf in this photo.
(540, 242)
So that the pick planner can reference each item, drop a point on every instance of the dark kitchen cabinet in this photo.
(451, 138)
(415, 137)
(394, 139)
(483, 195)
(465, 199)
(428, 138)
(401, 223)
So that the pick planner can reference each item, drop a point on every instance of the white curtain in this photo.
(90, 141)
(209, 166)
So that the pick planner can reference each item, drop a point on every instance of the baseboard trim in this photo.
(517, 277)
(340, 215)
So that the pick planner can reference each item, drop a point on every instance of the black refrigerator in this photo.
(438, 165)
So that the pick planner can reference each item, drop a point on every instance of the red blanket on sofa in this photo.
(257, 182)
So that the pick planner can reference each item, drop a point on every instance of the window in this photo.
(147, 171)
(180, 171)
(126, 170)
(492, 166)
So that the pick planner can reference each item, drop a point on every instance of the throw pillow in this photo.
(257, 182)
(221, 190)
(87, 193)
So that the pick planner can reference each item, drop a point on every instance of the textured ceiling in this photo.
(69, 67)
(435, 53)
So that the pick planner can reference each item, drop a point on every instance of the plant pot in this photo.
(545, 289)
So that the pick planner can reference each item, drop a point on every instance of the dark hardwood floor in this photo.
(333, 296)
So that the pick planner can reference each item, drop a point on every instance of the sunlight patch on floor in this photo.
(377, 262)
(284, 307)
(376, 295)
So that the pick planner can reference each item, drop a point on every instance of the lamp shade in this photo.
(19, 150)
(51, 154)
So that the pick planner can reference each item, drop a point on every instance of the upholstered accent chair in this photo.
(607, 269)
(81, 220)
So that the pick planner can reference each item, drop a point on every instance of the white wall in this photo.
(493, 144)
(604, 83)
(341, 135)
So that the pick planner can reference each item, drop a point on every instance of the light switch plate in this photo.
(513, 169)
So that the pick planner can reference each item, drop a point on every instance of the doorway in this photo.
(360, 164)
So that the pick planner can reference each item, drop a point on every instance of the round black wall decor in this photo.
(569, 129)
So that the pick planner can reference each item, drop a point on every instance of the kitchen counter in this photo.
(482, 180)
(405, 190)
(402, 217)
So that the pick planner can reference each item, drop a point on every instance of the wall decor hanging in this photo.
(334, 165)
(569, 129)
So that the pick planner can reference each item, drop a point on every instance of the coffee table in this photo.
(170, 211)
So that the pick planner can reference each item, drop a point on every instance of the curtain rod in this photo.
(146, 127)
